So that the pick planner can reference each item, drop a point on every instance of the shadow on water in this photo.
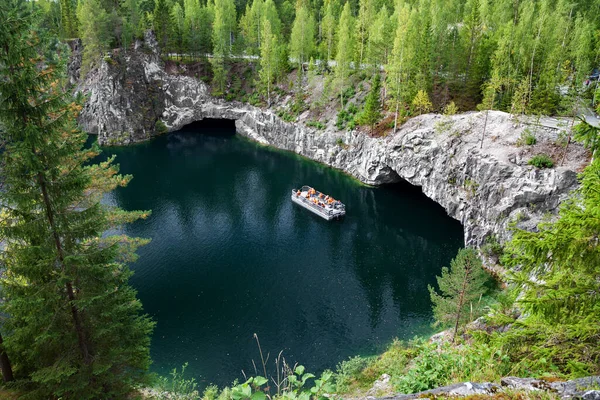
(231, 255)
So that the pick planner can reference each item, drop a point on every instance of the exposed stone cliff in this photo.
(132, 98)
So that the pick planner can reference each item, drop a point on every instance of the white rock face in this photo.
(484, 188)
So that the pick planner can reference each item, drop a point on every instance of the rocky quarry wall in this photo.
(131, 98)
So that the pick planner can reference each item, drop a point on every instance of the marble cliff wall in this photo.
(131, 99)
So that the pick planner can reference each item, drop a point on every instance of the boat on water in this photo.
(319, 203)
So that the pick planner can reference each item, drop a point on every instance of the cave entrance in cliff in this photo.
(213, 126)
(409, 196)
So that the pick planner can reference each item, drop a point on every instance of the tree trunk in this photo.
(568, 142)
(461, 301)
(7, 374)
(565, 153)
(484, 127)
(396, 117)
(342, 93)
(83, 344)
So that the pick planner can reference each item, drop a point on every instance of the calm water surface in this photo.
(231, 256)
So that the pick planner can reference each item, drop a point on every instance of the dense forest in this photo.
(517, 56)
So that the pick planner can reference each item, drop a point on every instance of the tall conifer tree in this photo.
(162, 24)
(74, 324)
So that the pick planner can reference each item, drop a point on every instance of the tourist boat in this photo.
(321, 204)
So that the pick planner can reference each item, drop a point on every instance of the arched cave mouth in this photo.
(407, 195)
(212, 126)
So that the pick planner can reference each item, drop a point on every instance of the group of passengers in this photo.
(320, 200)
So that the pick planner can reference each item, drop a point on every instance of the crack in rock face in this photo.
(131, 98)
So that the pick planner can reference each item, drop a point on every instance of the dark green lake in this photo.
(231, 256)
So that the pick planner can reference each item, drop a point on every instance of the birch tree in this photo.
(345, 48)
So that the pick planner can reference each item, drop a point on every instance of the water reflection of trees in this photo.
(306, 283)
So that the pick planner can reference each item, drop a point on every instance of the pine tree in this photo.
(203, 32)
(588, 135)
(345, 50)
(582, 51)
(68, 18)
(178, 18)
(372, 111)
(74, 324)
(161, 23)
(271, 14)
(519, 100)
(461, 287)
(558, 270)
(450, 109)
(131, 22)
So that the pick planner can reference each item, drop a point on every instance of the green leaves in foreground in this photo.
(557, 270)
(293, 387)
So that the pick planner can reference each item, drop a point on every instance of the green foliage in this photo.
(210, 393)
(372, 111)
(222, 33)
(431, 368)
(75, 328)
(588, 135)
(286, 115)
(68, 19)
(345, 49)
(541, 161)
(161, 22)
(160, 127)
(492, 247)
(302, 40)
(315, 124)
(450, 109)
(177, 387)
(268, 59)
(517, 58)
(349, 92)
(527, 138)
(461, 289)
(296, 385)
(345, 118)
(94, 32)
(421, 102)
(561, 329)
